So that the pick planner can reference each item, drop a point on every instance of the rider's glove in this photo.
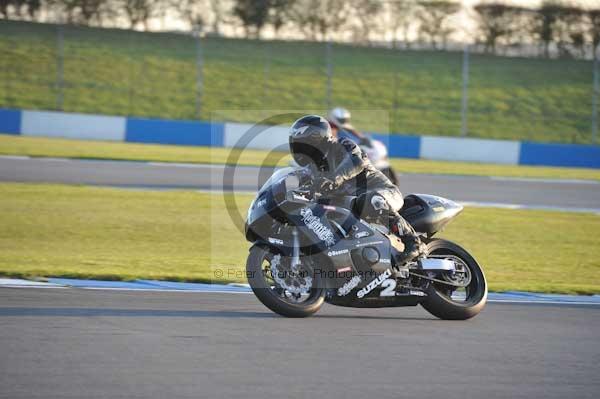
(325, 185)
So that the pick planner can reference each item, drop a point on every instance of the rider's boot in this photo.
(413, 246)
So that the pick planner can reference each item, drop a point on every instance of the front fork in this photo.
(295, 249)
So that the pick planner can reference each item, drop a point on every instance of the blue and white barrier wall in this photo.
(160, 131)
(72, 126)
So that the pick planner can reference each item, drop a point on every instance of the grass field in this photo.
(44, 147)
(71, 231)
(155, 74)
(84, 149)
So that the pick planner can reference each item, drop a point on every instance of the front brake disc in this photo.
(290, 280)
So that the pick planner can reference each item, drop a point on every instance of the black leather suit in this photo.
(378, 199)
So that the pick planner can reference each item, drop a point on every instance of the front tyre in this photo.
(267, 273)
(444, 301)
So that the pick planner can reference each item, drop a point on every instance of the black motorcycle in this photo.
(309, 249)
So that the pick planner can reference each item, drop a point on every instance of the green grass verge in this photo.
(119, 72)
(86, 232)
(45, 147)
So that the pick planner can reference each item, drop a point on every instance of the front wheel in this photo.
(446, 301)
(286, 290)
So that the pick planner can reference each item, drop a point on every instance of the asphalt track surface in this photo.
(72, 343)
(528, 192)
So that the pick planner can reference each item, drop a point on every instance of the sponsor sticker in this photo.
(314, 224)
(364, 244)
(336, 253)
(349, 286)
(299, 197)
(361, 234)
(374, 283)
(275, 241)
(344, 269)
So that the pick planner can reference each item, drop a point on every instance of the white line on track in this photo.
(160, 290)
(45, 287)
(52, 159)
(541, 180)
(22, 283)
(542, 302)
(204, 165)
(500, 205)
(509, 179)
(19, 157)
(181, 165)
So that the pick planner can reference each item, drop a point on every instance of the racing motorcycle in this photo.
(308, 249)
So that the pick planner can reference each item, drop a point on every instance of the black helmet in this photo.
(309, 140)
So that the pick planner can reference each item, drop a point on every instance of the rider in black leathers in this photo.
(340, 167)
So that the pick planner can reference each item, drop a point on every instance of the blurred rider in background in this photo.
(376, 150)
(339, 119)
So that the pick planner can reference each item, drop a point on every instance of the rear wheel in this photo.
(286, 290)
(459, 295)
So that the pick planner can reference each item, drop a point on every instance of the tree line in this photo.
(557, 27)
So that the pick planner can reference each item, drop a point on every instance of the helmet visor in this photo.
(304, 154)
(343, 121)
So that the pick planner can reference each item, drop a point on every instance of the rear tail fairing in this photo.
(429, 214)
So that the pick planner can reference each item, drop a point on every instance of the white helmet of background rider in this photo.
(340, 117)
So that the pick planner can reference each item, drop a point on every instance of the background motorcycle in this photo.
(375, 150)
(309, 249)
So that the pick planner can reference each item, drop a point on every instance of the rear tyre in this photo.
(267, 290)
(440, 301)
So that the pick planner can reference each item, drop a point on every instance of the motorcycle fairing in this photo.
(429, 213)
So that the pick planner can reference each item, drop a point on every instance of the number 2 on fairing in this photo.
(390, 287)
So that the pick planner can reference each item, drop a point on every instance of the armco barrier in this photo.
(560, 155)
(73, 126)
(10, 121)
(160, 131)
(401, 146)
(256, 136)
(470, 150)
